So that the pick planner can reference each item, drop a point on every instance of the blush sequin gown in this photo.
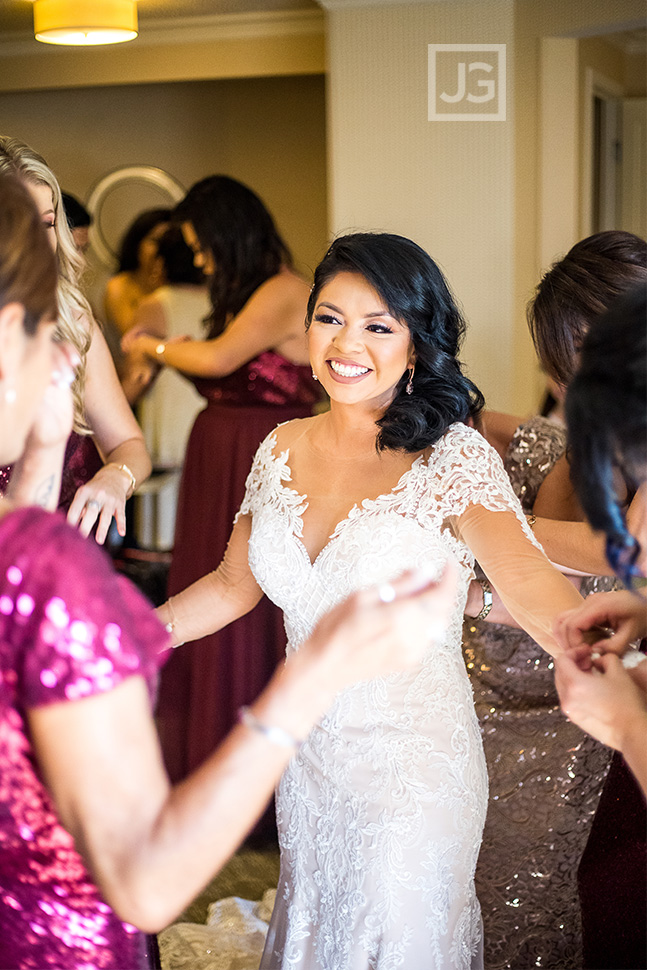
(204, 684)
(545, 774)
(69, 629)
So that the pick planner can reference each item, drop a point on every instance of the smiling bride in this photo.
(381, 809)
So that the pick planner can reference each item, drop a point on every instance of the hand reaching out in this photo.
(595, 690)
(623, 614)
(99, 500)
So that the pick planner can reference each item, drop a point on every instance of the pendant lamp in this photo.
(85, 22)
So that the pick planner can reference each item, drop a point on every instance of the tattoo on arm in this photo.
(43, 492)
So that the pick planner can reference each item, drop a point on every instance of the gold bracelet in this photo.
(126, 470)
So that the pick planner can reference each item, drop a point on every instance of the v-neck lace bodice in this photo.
(298, 502)
(380, 813)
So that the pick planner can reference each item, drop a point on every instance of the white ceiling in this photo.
(16, 15)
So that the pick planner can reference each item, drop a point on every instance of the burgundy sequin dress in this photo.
(82, 462)
(69, 629)
(205, 682)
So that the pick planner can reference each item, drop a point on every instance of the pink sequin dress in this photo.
(69, 628)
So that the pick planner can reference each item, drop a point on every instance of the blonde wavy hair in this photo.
(75, 317)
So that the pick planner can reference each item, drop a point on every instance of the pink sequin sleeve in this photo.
(73, 627)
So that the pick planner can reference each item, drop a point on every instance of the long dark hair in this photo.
(576, 290)
(233, 225)
(606, 413)
(416, 293)
(136, 232)
(177, 258)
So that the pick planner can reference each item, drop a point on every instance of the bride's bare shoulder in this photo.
(289, 433)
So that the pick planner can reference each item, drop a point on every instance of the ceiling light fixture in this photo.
(85, 22)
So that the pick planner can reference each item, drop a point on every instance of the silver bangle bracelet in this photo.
(275, 735)
(487, 599)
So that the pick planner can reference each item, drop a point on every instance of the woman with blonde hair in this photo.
(96, 482)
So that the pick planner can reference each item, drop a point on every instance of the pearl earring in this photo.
(314, 376)
(10, 396)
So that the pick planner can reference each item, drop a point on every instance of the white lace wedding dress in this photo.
(381, 811)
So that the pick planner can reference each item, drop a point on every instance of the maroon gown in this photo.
(82, 462)
(205, 682)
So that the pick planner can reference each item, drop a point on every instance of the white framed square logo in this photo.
(466, 82)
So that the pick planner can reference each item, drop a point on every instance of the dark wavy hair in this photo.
(177, 258)
(138, 230)
(606, 413)
(416, 293)
(76, 213)
(576, 290)
(232, 224)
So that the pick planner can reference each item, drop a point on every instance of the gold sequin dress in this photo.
(545, 775)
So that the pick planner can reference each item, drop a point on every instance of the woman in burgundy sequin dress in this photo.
(254, 374)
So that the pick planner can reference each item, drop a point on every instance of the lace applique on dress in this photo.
(380, 813)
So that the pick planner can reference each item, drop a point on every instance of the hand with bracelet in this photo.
(103, 498)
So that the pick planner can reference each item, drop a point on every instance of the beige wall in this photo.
(269, 132)
(635, 80)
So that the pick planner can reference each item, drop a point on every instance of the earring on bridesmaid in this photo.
(9, 396)
(314, 376)
(409, 387)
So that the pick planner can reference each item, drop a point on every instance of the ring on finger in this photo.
(93, 504)
(385, 593)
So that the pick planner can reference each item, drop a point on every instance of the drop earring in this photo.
(314, 376)
(409, 387)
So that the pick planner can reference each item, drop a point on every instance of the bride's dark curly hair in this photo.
(416, 293)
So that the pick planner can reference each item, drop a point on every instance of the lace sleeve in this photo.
(487, 518)
(266, 472)
(469, 472)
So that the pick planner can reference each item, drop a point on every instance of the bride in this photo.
(381, 809)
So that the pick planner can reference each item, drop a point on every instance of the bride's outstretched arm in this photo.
(532, 589)
(217, 599)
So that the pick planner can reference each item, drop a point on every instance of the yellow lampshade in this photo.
(81, 22)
